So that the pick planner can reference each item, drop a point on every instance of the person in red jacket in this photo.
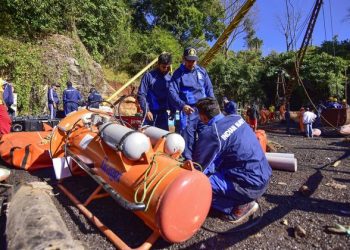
(5, 121)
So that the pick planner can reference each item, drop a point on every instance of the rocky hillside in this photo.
(57, 58)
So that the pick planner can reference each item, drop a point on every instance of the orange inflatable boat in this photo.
(26, 150)
(138, 169)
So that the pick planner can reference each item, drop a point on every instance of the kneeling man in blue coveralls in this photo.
(234, 161)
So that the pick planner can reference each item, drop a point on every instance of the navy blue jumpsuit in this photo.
(53, 101)
(186, 88)
(230, 108)
(94, 99)
(71, 98)
(153, 96)
(234, 161)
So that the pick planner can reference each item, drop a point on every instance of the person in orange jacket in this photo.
(282, 111)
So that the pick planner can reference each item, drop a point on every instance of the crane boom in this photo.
(301, 53)
(226, 33)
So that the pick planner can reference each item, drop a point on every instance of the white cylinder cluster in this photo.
(282, 161)
(174, 143)
(132, 143)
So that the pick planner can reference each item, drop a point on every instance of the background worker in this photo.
(272, 112)
(153, 93)
(94, 98)
(230, 107)
(253, 115)
(53, 100)
(71, 98)
(189, 83)
(8, 97)
(234, 161)
(282, 110)
(300, 118)
(308, 118)
(5, 120)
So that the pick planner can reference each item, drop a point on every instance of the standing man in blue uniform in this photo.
(190, 83)
(234, 161)
(94, 99)
(71, 98)
(230, 107)
(8, 97)
(53, 100)
(153, 93)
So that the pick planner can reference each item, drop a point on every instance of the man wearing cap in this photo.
(230, 107)
(53, 100)
(190, 83)
(71, 98)
(153, 93)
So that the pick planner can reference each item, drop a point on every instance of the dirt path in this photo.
(326, 201)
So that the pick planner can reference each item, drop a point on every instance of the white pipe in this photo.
(282, 163)
(286, 155)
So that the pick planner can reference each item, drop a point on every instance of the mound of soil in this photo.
(295, 211)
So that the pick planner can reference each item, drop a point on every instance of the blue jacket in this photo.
(231, 108)
(94, 99)
(71, 94)
(8, 94)
(229, 145)
(153, 91)
(187, 87)
(52, 96)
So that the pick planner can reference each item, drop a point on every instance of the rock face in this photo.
(65, 59)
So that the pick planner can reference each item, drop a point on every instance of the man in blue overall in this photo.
(234, 161)
(53, 100)
(8, 97)
(71, 99)
(153, 93)
(190, 83)
(94, 99)
(230, 107)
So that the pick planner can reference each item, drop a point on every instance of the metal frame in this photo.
(96, 194)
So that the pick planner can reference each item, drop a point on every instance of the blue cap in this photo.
(190, 54)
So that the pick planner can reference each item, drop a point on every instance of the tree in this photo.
(183, 18)
(251, 40)
(232, 7)
(238, 77)
(339, 48)
(290, 25)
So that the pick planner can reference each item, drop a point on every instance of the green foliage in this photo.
(238, 77)
(321, 73)
(104, 28)
(339, 48)
(183, 18)
(29, 19)
(149, 46)
(21, 64)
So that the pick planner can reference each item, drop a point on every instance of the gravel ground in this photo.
(325, 201)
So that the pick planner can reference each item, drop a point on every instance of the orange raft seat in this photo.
(262, 138)
(26, 150)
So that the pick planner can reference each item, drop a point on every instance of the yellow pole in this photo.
(131, 80)
(226, 33)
